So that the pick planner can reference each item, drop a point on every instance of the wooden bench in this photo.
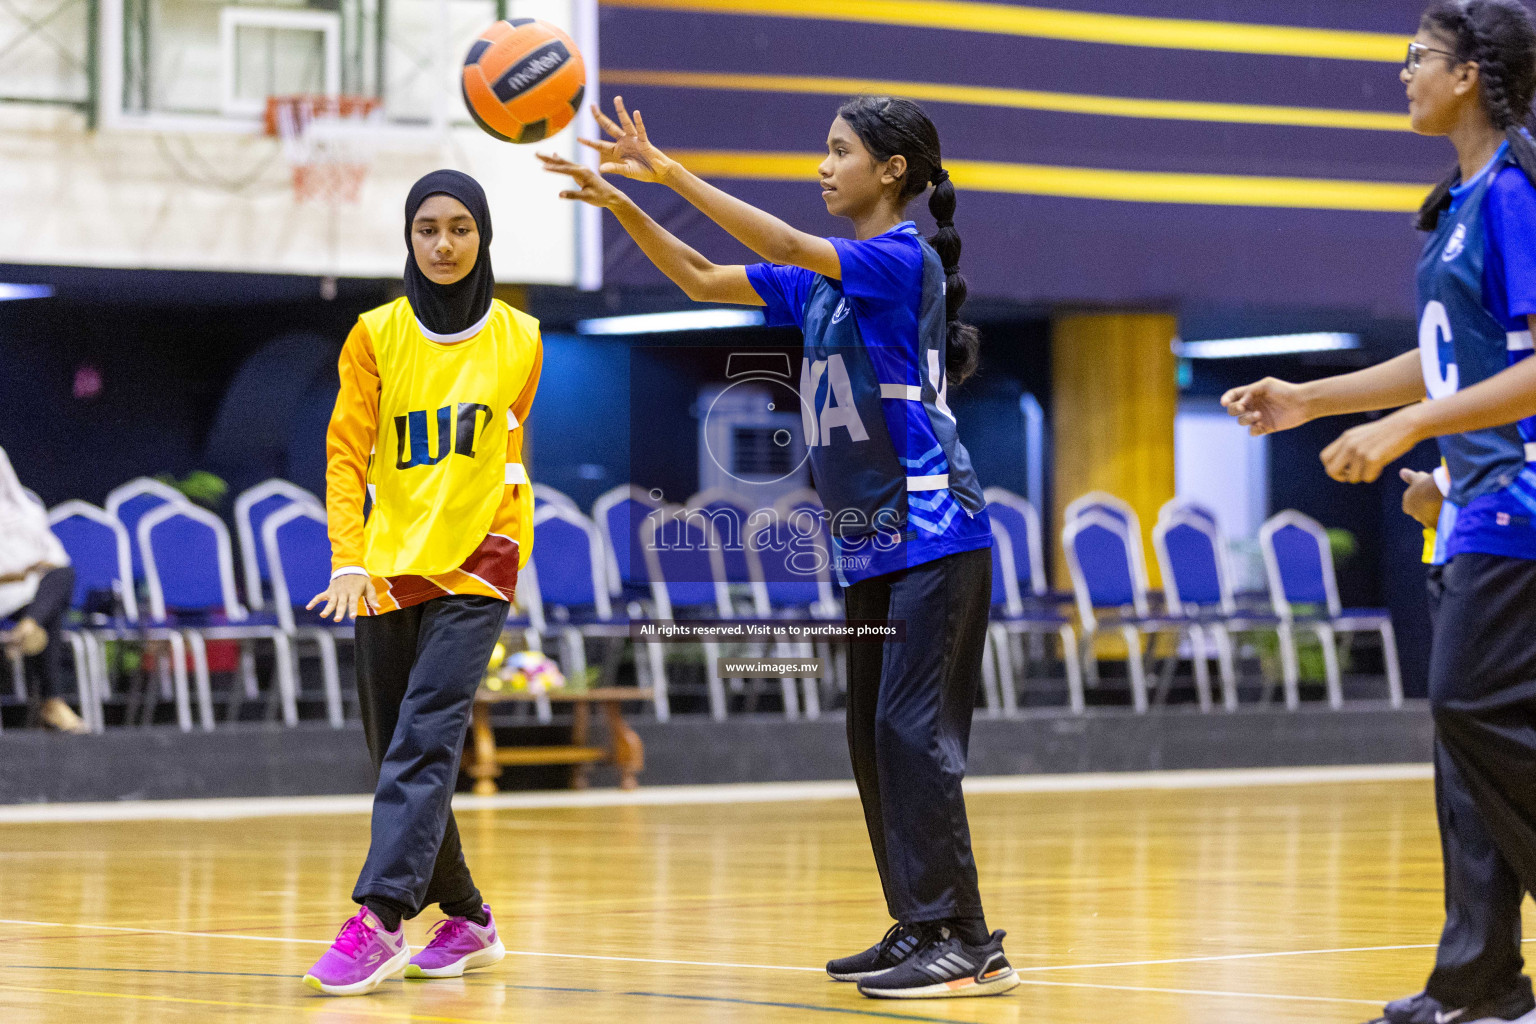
(484, 760)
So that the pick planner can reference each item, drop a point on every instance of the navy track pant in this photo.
(49, 606)
(417, 672)
(909, 727)
(1482, 691)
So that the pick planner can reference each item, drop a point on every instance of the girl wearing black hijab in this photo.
(434, 390)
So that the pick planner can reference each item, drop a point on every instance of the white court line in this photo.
(712, 963)
(1232, 956)
(327, 942)
(1203, 992)
(729, 793)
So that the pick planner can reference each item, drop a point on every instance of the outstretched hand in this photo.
(594, 189)
(1266, 406)
(630, 153)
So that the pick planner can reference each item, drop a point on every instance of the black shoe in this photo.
(897, 945)
(943, 967)
(1516, 1005)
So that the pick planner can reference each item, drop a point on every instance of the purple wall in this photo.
(1047, 249)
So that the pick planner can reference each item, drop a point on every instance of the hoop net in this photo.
(326, 141)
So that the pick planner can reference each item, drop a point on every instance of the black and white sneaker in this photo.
(943, 967)
(897, 945)
(1517, 1006)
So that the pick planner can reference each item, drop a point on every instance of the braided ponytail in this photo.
(1500, 37)
(963, 343)
(887, 127)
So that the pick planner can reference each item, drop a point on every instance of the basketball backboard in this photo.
(179, 173)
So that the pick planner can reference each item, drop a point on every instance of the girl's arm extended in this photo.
(1270, 405)
(1506, 397)
(700, 280)
(632, 155)
(1359, 455)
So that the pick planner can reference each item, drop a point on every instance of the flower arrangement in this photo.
(523, 672)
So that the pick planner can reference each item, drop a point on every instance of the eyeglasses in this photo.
(1416, 52)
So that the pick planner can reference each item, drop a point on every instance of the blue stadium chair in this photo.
(1197, 582)
(1189, 508)
(791, 576)
(1012, 618)
(98, 550)
(800, 509)
(804, 498)
(1103, 549)
(83, 650)
(686, 568)
(1116, 508)
(569, 551)
(732, 518)
(190, 572)
(1305, 594)
(619, 514)
(543, 494)
(526, 615)
(1021, 522)
(297, 549)
(252, 508)
(130, 502)
(790, 572)
(1100, 501)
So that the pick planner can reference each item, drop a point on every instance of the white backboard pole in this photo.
(589, 219)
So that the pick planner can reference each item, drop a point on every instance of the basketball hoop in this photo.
(326, 143)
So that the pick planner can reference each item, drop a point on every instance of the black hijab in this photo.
(450, 308)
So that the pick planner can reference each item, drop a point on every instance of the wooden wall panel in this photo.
(1114, 393)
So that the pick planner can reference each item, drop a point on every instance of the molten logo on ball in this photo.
(523, 80)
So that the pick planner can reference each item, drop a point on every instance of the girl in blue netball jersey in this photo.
(1470, 76)
(911, 538)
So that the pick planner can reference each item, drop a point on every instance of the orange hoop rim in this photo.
(329, 169)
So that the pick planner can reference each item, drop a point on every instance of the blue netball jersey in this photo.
(893, 476)
(1477, 285)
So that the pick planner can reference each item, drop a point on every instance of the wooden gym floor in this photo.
(1300, 902)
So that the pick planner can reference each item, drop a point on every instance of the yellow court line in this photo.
(1077, 26)
(1021, 99)
(1098, 183)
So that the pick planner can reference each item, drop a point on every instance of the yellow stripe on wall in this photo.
(1022, 99)
(1077, 26)
(1097, 183)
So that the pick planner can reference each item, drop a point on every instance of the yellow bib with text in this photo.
(440, 461)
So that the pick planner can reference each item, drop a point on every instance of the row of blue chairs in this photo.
(169, 566)
(711, 557)
(1101, 538)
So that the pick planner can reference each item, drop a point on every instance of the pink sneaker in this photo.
(458, 945)
(360, 959)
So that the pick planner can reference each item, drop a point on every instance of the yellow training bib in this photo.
(441, 457)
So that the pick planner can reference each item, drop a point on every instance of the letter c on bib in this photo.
(1440, 378)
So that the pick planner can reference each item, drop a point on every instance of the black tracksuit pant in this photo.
(417, 672)
(1482, 691)
(48, 608)
(909, 727)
